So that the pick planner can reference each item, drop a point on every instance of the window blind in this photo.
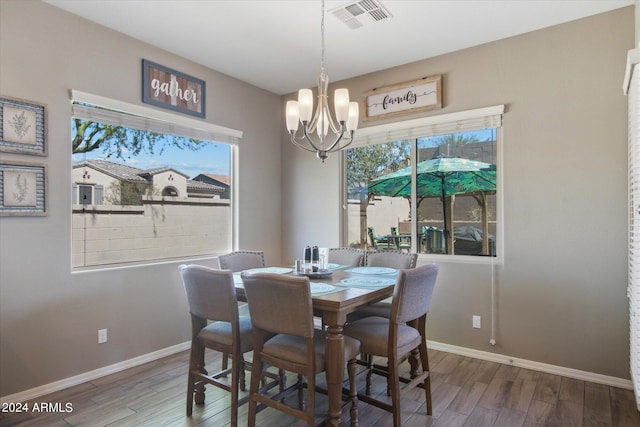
(481, 118)
(632, 88)
(118, 113)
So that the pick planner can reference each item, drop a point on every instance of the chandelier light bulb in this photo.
(293, 116)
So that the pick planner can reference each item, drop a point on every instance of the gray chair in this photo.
(392, 259)
(394, 338)
(241, 260)
(211, 296)
(351, 257)
(282, 305)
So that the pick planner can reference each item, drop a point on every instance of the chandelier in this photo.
(322, 134)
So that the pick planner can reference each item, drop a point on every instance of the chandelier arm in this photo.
(332, 146)
(309, 140)
(343, 146)
(300, 145)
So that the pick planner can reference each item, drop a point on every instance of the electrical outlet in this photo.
(476, 322)
(102, 336)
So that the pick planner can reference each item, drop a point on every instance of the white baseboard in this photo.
(33, 393)
(535, 366)
(463, 351)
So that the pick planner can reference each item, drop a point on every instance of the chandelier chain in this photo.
(322, 40)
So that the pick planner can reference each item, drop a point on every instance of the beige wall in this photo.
(561, 291)
(49, 317)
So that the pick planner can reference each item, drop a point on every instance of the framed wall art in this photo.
(173, 90)
(403, 98)
(23, 189)
(23, 127)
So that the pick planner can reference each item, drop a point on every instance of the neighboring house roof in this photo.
(132, 174)
(115, 170)
(200, 186)
(223, 179)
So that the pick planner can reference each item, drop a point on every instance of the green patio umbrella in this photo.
(439, 177)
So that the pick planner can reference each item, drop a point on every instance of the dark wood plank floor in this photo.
(466, 392)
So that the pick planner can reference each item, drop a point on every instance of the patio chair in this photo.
(394, 338)
(402, 243)
(379, 242)
(284, 337)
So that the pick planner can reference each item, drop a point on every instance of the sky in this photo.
(212, 158)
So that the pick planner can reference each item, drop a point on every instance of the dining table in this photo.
(335, 293)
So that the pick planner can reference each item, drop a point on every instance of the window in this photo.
(433, 193)
(85, 194)
(140, 191)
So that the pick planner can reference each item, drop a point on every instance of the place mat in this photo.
(332, 266)
(321, 288)
(367, 282)
(276, 270)
(372, 270)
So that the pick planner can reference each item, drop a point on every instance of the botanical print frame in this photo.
(23, 189)
(403, 98)
(23, 127)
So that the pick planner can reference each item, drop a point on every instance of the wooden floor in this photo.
(466, 392)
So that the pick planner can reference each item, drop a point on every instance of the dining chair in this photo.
(216, 325)
(284, 336)
(392, 259)
(241, 260)
(351, 257)
(237, 261)
(397, 337)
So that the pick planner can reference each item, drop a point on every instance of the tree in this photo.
(370, 162)
(455, 139)
(121, 142)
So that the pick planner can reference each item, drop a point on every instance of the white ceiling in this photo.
(275, 44)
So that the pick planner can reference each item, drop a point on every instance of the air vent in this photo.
(362, 12)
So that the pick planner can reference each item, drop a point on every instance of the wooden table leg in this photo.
(335, 371)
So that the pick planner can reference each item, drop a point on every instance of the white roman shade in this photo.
(481, 118)
(632, 88)
(110, 111)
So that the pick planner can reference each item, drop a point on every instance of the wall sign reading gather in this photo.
(410, 97)
(173, 90)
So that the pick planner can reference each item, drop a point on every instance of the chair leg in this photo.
(195, 388)
(237, 371)
(243, 382)
(300, 393)
(225, 361)
(369, 359)
(352, 368)
(394, 384)
(424, 359)
(190, 391)
(256, 375)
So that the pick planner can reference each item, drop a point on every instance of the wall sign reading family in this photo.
(410, 97)
(173, 90)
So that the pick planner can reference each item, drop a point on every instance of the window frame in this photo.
(95, 107)
(487, 117)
